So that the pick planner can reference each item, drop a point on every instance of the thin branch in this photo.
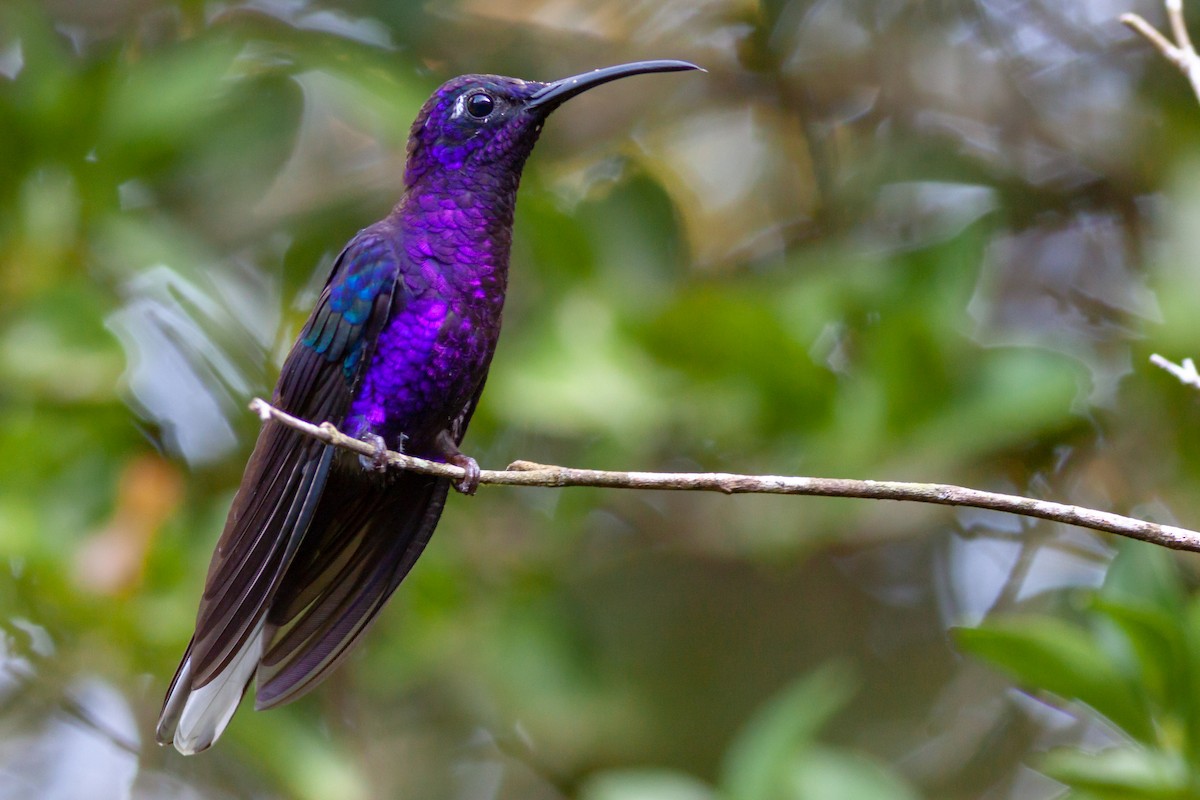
(1184, 371)
(527, 473)
(1178, 26)
(1181, 52)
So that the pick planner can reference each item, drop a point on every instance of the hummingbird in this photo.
(395, 352)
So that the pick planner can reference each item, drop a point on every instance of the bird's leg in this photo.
(377, 461)
(449, 450)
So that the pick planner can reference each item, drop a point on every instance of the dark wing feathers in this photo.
(286, 476)
(337, 583)
(227, 608)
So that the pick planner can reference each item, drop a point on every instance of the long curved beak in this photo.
(557, 93)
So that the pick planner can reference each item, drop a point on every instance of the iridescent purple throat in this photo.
(431, 358)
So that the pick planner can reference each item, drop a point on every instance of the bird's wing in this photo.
(280, 491)
(362, 542)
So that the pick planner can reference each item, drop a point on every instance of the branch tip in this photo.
(1181, 52)
(1185, 371)
(262, 408)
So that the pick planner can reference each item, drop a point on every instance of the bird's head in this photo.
(492, 122)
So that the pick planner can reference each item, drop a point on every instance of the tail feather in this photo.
(193, 717)
(279, 495)
(358, 543)
(241, 587)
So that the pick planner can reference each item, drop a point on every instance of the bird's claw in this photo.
(470, 481)
(377, 461)
(448, 448)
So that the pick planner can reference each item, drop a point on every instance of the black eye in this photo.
(479, 105)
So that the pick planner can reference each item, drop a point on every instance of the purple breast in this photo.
(427, 364)
(434, 352)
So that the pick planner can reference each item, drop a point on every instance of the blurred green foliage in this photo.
(1130, 654)
(879, 239)
(774, 755)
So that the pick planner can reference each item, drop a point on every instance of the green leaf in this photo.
(837, 775)
(1120, 772)
(1158, 645)
(1187, 687)
(758, 763)
(644, 784)
(1145, 576)
(167, 97)
(1049, 654)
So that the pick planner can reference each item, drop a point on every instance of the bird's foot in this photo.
(377, 461)
(470, 481)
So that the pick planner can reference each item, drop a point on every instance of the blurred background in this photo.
(884, 239)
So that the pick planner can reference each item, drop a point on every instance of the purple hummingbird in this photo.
(396, 352)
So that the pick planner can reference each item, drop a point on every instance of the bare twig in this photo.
(526, 473)
(1185, 370)
(1181, 52)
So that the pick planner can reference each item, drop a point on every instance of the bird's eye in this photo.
(479, 105)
